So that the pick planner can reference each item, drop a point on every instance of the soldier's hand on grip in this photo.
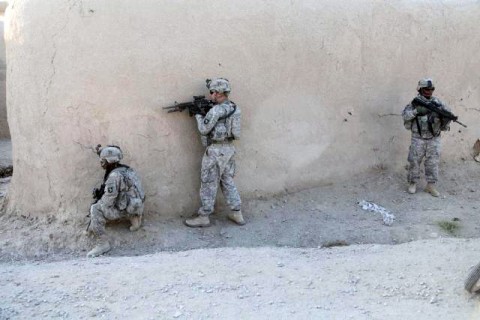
(421, 111)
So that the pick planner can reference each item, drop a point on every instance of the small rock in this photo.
(177, 314)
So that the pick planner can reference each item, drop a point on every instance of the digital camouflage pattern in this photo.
(215, 126)
(425, 83)
(428, 149)
(111, 154)
(218, 162)
(119, 201)
(410, 115)
(219, 85)
(218, 167)
(426, 142)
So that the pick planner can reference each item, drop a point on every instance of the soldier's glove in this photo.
(421, 111)
(195, 110)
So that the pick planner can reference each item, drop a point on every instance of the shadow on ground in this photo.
(328, 215)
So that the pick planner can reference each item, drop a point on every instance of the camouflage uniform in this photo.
(218, 163)
(425, 142)
(119, 201)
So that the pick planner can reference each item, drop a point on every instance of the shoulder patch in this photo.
(206, 121)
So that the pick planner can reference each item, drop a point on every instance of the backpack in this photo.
(135, 193)
(134, 184)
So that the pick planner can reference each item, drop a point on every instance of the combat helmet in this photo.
(220, 85)
(425, 83)
(111, 154)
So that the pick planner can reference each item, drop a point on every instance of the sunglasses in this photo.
(429, 89)
(212, 92)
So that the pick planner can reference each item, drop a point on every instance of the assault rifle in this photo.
(435, 107)
(199, 105)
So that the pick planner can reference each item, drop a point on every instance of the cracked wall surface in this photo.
(321, 85)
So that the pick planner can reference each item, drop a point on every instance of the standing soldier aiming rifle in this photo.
(426, 116)
(218, 128)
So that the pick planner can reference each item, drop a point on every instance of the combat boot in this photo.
(198, 221)
(136, 222)
(237, 217)
(103, 246)
(476, 287)
(430, 188)
(412, 188)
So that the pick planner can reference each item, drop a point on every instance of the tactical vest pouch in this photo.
(219, 132)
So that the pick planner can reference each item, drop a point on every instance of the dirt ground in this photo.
(285, 262)
(416, 280)
(312, 218)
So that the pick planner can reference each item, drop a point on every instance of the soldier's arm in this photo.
(409, 113)
(206, 124)
(112, 186)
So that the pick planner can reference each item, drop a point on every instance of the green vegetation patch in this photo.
(450, 227)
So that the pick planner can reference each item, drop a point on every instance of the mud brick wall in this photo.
(321, 85)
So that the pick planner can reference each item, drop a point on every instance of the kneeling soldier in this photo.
(121, 196)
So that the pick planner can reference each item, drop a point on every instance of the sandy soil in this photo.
(416, 280)
(284, 263)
